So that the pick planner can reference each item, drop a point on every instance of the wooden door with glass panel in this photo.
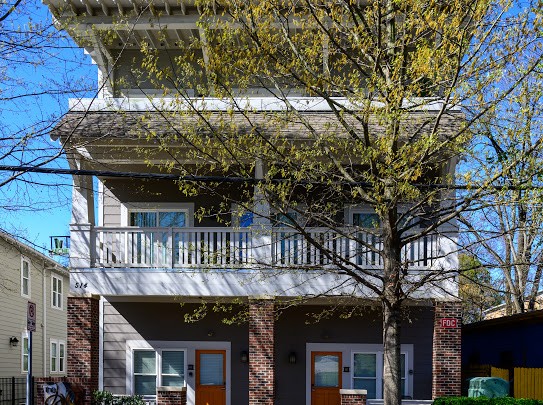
(210, 377)
(325, 378)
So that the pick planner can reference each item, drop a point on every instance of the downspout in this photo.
(44, 340)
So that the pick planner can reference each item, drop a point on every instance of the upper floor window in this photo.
(162, 219)
(24, 353)
(25, 277)
(366, 220)
(56, 292)
(58, 356)
(159, 214)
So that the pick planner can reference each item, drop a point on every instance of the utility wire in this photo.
(226, 179)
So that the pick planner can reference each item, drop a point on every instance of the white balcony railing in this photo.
(235, 247)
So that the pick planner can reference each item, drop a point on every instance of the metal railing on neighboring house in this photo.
(13, 390)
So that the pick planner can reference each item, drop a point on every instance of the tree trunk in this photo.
(391, 302)
(392, 382)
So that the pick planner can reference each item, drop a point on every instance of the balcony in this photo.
(131, 247)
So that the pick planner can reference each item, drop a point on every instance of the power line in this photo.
(234, 179)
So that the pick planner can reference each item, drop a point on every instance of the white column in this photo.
(261, 228)
(82, 246)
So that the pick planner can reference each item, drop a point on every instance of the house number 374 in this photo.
(80, 285)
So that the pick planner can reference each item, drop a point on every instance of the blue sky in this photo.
(36, 82)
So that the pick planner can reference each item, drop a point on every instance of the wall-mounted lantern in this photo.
(292, 358)
(13, 341)
(244, 357)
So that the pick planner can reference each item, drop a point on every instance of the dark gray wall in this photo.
(294, 328)
(165, 321)
(136, 190)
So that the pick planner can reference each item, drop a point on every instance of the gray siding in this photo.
(14, 306)
(117, 191)
(165, 321)
(111, 207)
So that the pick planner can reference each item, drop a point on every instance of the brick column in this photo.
(83, 344)
(353, 397)
(261, 352)
(447, 349)
(171, 396)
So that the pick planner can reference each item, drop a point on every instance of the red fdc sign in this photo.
(449, 322)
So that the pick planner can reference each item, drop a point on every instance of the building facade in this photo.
(26, 276)
(166, 298)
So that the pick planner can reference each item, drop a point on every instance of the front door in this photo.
(325, 378)
(210, 377)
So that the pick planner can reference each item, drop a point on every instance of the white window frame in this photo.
(60, 295)
(379, 368)
(190, 348)
(350, 211)
(133, 374)
(159, 370)
(158, 365)
(24, 336)
(348, 350)
(29, 264)
(129, 207)
(56, 355)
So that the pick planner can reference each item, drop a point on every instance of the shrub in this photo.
(107, 398)
(486, 401)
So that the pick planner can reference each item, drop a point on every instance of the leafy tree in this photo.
(508, 235)
(477, 289)
(391, 80)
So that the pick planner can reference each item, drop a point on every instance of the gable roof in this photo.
(30, 251)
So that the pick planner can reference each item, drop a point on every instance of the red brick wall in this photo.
(76, 390)
(40, 382)
(447, 350)
(171, 397)
(353, 399)
(83, 344)
(261, 352)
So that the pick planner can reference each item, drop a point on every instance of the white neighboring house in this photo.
(28, 275)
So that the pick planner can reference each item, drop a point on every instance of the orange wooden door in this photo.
(325, 378)
(210, 377)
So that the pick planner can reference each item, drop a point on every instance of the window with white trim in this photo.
(368, 373)
(58, 356)
(56, 292)
(24, 353)
(172, 370)
(158, 218)
(163, 367)
(151, 215)
(25, 277)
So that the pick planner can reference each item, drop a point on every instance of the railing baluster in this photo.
(189, 247)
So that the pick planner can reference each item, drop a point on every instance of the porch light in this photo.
(292, 358)
(244, 357)
(13, 341)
